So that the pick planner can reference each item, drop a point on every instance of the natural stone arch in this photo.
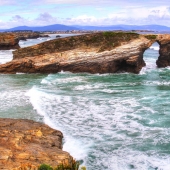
(93, 53)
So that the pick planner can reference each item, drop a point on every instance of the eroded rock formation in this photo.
(164, 52)
(27, 144)
(106, 52)
(8, 41)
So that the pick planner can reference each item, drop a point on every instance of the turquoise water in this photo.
(109, 121)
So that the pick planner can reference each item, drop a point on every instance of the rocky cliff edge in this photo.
(26, 144)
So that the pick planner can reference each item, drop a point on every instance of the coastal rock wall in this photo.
(27, 144)
(8, 41)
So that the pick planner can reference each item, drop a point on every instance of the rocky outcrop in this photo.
(105, 52)
(29, 35)
(164, 52)
(128, 57)
(8, 41)
(26, 144)
(58, 36)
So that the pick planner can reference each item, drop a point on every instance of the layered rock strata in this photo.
(26, 144)
(106, 52)
(8, 41)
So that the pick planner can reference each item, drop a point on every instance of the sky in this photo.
(83, 12)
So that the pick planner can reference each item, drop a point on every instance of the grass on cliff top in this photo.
(151, 36)
(102, 41)
(105, 40)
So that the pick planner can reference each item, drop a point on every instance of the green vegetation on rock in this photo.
(74, 165)
(45, 167)
(151, 37)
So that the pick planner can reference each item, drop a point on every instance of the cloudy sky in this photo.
(83, 12)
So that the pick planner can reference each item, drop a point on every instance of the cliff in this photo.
(26, 144)
(8, 41)
(104, 52)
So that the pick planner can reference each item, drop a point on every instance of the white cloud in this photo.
(158, 15)
(8, 2)
(131, 16)
(98, 2)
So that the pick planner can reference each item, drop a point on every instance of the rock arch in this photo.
(93, 53)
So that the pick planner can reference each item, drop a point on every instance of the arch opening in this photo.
(150, 56)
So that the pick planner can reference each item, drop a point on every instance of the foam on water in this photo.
(5, 56)
(106, 131)
(37, 97)
(109, 121)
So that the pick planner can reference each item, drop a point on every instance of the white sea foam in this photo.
(126, 159)
(37, 98)
(106, 131)
(5, 56)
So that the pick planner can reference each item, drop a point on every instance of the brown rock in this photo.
(8, 41)
(29, 35)
(106, 52)
(164, 52)
(101, 57)
(26, 144)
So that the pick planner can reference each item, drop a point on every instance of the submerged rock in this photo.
(58, 36)
(27, 144)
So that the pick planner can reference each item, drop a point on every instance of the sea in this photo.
(109, 121)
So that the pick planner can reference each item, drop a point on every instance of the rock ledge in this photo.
(27, 144)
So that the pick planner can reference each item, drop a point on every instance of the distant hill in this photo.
(126, 27)
(56, 27)
(59, 27)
